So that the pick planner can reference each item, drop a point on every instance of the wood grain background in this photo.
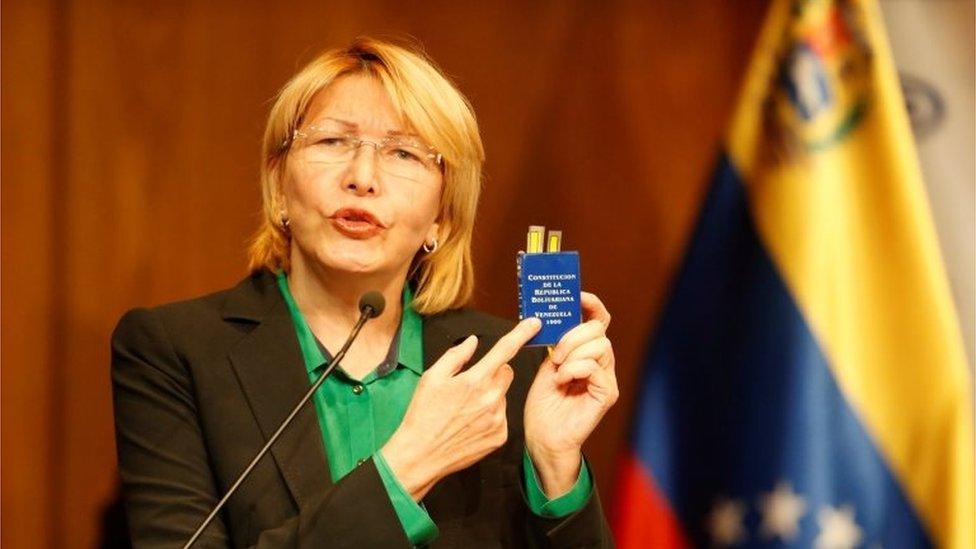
(130, 150)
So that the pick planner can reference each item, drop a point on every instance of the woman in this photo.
(437, 428)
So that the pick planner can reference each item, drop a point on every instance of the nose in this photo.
(361, 175)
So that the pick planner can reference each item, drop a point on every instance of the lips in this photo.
(356, 223)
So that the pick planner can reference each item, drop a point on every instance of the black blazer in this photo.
(198, 387)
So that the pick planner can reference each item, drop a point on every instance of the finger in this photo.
(593, 308)
(506, 347)
(577, 369)
(451, 362)
(496, 390)
(491, 395)
(599, 349)
(600, 384)
(572, 339)
(503, 378)
(603, 384)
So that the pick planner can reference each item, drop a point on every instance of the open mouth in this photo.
(356, 223)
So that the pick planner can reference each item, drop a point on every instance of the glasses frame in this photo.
(358, 142)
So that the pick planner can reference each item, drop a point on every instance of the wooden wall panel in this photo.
(620, 148)
(138, 185)
(28, 259)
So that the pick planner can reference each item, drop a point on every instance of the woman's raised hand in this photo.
(572, 391)
(456, 418)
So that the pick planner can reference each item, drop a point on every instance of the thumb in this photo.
(451, 362)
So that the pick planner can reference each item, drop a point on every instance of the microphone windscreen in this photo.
(374, 301)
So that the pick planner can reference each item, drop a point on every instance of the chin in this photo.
(349, 261)
(351, 265)
(344, 256)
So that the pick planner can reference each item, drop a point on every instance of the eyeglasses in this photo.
(400, 156)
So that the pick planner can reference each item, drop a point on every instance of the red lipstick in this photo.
(356, 223)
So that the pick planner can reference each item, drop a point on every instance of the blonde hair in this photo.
(441, 116)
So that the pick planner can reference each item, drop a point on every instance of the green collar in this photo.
(411, 353)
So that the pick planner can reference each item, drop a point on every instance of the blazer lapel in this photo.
(269, 365)
(445, 330)
(437, 339)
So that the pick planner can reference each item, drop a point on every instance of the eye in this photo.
(405, 154)
(401, 153)
(334, 141)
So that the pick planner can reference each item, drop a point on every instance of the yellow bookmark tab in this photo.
(533, 244)
(554, 242)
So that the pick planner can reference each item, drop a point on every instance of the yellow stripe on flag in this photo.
(823, 143)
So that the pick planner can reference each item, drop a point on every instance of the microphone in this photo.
(371, 305)
(372, 301)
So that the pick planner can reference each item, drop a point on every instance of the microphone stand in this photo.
(368, 312)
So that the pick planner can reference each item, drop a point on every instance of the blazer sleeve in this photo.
(584, 528)
(168, 485)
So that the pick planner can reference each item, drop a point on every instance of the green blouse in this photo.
(357, 417)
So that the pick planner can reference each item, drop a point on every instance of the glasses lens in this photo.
(326, 146)
(409, 159)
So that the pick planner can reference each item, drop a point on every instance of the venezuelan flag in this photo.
(807, 385)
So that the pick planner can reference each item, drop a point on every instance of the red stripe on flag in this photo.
(642, 517)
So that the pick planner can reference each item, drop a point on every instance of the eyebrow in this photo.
(353, 125)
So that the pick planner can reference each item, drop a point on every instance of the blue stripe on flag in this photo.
(738, 397)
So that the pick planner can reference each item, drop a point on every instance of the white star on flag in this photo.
(725, 522)
(781, 512)
(837, 528)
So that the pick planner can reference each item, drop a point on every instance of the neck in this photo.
(329, 300)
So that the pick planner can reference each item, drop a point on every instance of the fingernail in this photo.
(533, 321)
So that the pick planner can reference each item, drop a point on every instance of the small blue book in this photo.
(549, 288)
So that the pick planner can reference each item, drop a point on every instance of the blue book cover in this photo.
(549, 288)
